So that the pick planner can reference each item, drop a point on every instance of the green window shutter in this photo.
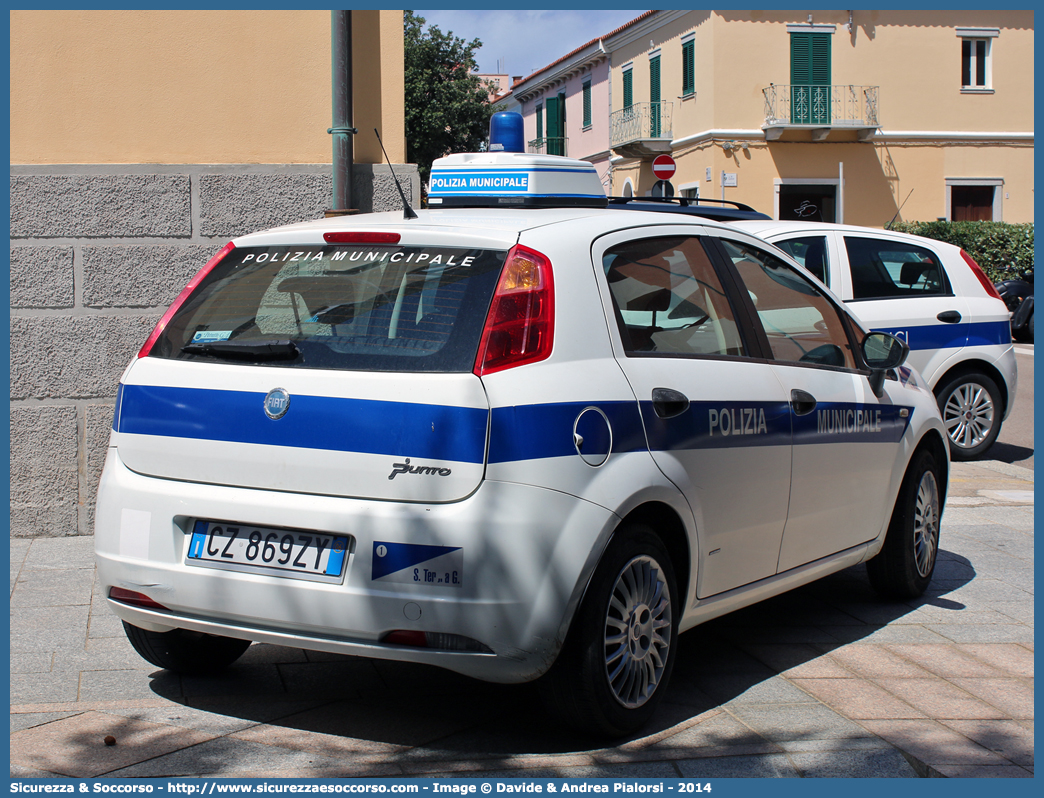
(540, 121)
(688, 67)
(654, 97)
(628, 81)
(587, 103)
(555, 124)
(810, 78)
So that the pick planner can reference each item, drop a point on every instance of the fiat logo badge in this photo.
(277, 402)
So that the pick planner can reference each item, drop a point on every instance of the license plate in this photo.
(280, 552)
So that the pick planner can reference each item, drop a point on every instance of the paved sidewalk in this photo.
(825, 681)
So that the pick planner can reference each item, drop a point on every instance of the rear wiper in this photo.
(245, 350)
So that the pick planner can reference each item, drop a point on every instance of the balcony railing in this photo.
(641, 121)
(553, 145)
(853, 107)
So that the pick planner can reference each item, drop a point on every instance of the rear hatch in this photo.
(341, 369)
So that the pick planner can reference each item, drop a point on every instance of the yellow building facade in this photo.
(841, 115)
(196, 86)
(141, 142)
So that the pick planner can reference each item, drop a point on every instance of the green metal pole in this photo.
(342, 131)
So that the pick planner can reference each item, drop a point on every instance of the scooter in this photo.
(1017, 294)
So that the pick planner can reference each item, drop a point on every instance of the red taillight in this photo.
(188, 289)
(362, 238)
(406, 637)
(991, 289)
(520, 327)
(135, 599)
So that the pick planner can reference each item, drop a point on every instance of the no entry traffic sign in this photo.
(663, 167)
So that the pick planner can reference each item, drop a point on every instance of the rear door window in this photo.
(669, 300)
(810, 252)
(883, 269)
(370, 308)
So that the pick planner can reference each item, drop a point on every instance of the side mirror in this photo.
(882, 352)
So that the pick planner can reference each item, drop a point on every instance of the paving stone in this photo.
(325, 744)
(44, 688)
(45, 628)
(721, 733)
(939, 699)
(104, 623)
(984, 772)
(634, 770)
(731, 690)
(800, 722)
(873, 660)
(75, 746)
(115, 685)
(227, 757)
(27, 720)
(1013, 697)
(796, 659)
(984, 633)
(1009, 658)
(726, 767)
(53, 588)
(1005, 737)
(32, 662)
(882, 763)
(858, 698)
(61, 553)
(945, 661)
(933, 743)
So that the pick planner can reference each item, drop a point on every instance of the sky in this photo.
(524, 41)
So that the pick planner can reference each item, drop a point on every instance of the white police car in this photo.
(519, 436)
(934, 297)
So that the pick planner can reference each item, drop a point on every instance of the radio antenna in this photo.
(889, 225)
(407, 211)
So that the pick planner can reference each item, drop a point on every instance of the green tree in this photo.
(447, 107)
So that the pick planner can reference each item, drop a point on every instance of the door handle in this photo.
(949, 316)
(669, 403)
(802, 402)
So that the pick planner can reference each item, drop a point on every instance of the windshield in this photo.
(370, 308)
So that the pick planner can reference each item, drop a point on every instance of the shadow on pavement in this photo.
(398, 710)
(1009, 453)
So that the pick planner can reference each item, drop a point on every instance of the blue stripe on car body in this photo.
(520, 432)
(953, 336)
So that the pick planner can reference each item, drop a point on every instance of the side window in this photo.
(884, 269)
(801, 324)
(810, 252)
(669, 299)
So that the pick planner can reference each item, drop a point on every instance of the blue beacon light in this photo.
(506, 133)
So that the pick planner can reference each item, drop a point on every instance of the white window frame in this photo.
(998, 193)
(682, 188)
(980, 34)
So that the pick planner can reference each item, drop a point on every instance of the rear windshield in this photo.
(364, 308)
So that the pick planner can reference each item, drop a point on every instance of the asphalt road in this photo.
(1015, 444)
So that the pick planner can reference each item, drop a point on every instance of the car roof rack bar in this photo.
(684, 202)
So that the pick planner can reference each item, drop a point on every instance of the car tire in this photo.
(972, 412)
(186, 652)
(1029, 329)
(903, 568)
(614, 668)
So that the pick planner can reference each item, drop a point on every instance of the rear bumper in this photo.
(527, 555)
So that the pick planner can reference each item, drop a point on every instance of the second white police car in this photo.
(519, 436)
(933, 296)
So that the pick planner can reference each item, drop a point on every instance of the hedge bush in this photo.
(1001, 249)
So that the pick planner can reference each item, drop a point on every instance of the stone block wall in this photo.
(97, 255)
